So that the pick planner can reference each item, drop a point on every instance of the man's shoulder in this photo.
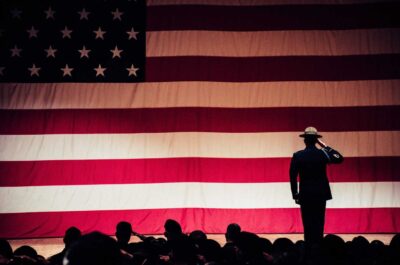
(298, 152)
(305, 152)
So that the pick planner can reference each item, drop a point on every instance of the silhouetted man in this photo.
(310, 165)
(71, 236)
(173, 230)
(123, 234)
(232, 233)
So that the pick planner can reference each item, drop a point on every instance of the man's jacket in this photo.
(310, 165)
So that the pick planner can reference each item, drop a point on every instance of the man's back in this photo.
(310, 165)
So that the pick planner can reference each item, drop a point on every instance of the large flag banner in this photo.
(191, 110)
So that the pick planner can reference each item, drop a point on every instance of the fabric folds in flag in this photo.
(191, 110)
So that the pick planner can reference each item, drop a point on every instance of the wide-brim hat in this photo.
(310, 132)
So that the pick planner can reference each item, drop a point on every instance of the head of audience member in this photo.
(359, 250)
(123, 233)
(249, 248)
(173, 230)
(284, 251)
(334, 245)
(209, 251)
(300, 247)
(26, 251)
(94, 249)
(395, 242)
(232, 233)
(197, 236)
(25, 255)
(282, 245)
(266, 245)
(394, 249)
(71, 235)
(377, 249)
(333, 250)
(360, 245)
(6, 252)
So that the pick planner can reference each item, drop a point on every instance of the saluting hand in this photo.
(322, 144)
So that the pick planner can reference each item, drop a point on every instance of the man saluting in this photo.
(310, 165)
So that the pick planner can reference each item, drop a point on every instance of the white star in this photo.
(15, 51)
(49, 13)
(34, 70)
(100, 70)
(16, 13)
(2, 70)
(66, 70)
(117, 14)
(99, 33)
(51, 52)
(132, 70)
(32, 32)
(83, 14)
(132, 34)
(66, 33)
(84, 52)
(116, 52)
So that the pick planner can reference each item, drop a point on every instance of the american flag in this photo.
(191, 110)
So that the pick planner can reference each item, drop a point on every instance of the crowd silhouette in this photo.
(178, 248)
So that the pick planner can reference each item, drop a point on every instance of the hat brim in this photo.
(310, 135)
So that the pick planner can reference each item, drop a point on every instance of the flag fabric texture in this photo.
(191, 110)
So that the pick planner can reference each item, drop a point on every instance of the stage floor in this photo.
(50, 246)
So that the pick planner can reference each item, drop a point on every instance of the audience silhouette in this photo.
(71, 235)
(123, 234)
(6, 252)
(241, 248)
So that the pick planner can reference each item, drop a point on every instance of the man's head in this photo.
(6, 251)
(123, 233)
(71, 235)
(94, 249)
(173, 229)
(232, 232)
(310, 136)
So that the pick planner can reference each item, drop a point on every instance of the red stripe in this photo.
(283, 68)
(89, 172)
(285, 17)
(64, 121)
(54, 224)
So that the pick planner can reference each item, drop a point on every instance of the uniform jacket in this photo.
(310, 166)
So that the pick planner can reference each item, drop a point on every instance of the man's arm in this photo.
(293, 173)
(333, 156)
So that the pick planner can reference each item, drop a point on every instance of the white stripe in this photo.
(256, 2)
(187, 195)
(273, 43)
(199, 94)
(188, 144)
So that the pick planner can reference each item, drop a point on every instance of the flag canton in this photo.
(72, 41)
